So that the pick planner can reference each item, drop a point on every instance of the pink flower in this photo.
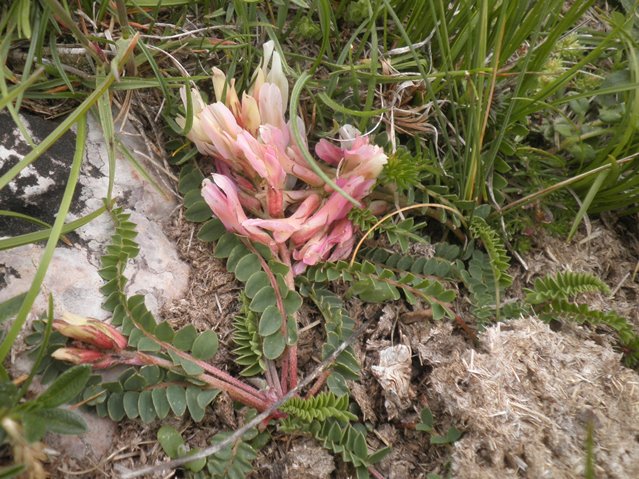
(251, 118)
(283, 228)
(272, 107)
(334, 209)
(263, 158)
(221, 195)
(288, 154)
(328, 152)
(219, 124)
(225, 93)
(356, 157)
(264, 188)
(319, 247)
(273, 74)
(363, 159)
(90, 331)
(196, 134)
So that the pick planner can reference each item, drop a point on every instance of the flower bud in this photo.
(97, 359)
(90, 331)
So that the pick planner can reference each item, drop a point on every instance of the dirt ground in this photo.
(572, 377)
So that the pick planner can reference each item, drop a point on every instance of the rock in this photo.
(40, 186)
(72, 278)
(526, 404)
(95, 444)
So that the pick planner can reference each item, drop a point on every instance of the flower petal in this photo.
(271, 106)
(221, 195)
(250, 114)
(334, 209)
(276, 76)
(328, 152)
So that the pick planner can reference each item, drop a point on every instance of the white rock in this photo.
(72, 277)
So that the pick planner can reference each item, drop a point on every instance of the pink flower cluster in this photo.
(264, 189)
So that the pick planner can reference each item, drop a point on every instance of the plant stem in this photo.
(319, 383)
(257, 400)
(217, 373)
(238, 433)
(291, 353)
(375, 473)
(273, 379)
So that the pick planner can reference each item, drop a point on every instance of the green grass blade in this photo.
(16, 91)
(297, 137)
(108, 130)
(329, 102)
(324, 12)
(22, 216)
(28, 238)
(55, 60)
(585, 205)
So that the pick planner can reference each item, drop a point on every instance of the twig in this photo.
(187, 33)
(393, 213)
(426, 41)
(251, 424)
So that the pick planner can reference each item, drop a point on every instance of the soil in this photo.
(439, 376)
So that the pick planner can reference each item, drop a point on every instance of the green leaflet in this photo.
(248, 350)
(148, 392)
(234, 461)
(320, 407)
(261, 297)
(499, 260)
(66, 387)
(343, 439)
(552, 298)
(563, 285)
(377, 283)
(338, 326)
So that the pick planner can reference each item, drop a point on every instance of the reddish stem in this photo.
(291, 354)
(319, 383)
(284, 376)
(375, 473)
(258, 401)
(272, 378)
(275, 383)
(212, 370)
(292, 359)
